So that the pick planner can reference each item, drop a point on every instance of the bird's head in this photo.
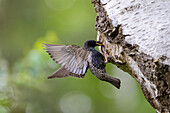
(91, 44)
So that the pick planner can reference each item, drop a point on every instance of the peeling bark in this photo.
(132, 46)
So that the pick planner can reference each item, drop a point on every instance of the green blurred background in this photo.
(24, 65)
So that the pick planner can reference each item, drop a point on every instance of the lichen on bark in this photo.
(152, 74)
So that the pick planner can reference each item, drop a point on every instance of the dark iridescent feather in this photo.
(75, 61)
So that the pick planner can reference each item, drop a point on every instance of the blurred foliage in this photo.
(24, 65)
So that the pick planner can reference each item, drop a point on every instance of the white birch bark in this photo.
(136, 34)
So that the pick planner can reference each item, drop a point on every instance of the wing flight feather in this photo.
(73, 58)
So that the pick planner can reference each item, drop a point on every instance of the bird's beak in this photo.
(99, 43)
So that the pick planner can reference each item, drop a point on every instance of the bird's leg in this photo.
(108, 58)
(103, 49)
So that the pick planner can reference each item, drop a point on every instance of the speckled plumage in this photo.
(75, 61)
(97, 67)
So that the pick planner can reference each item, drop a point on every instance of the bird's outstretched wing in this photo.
(62, 72)
(74, 60)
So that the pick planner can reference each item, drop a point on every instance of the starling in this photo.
(75, 61)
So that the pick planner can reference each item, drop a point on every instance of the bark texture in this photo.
(136, 34)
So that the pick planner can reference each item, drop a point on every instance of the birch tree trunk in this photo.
(136, 34)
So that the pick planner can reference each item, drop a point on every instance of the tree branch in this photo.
(136, 36)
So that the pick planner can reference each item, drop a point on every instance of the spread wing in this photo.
(72, 58)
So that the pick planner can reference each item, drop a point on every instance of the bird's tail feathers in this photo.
(114, 81)
(62, 72)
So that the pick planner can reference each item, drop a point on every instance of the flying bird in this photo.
(75, 61)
